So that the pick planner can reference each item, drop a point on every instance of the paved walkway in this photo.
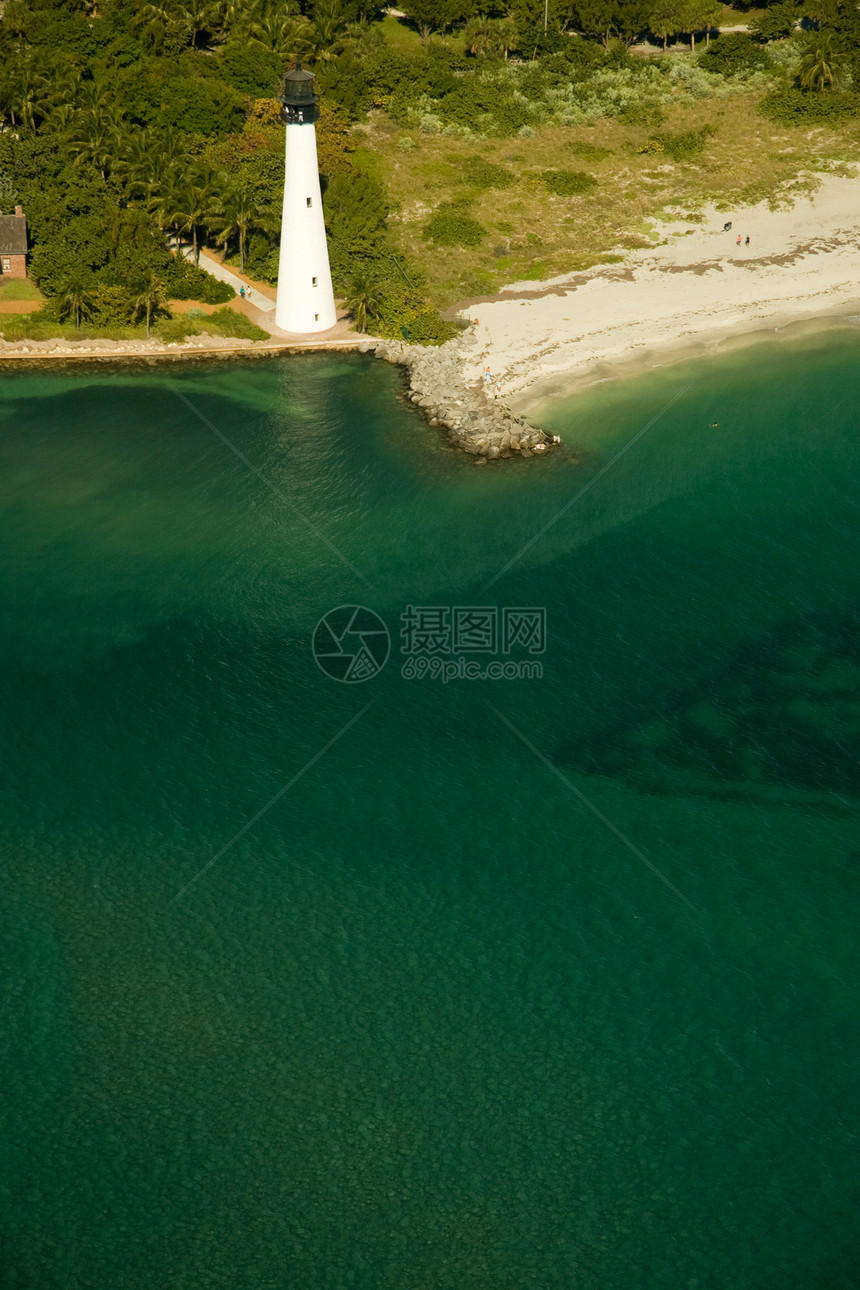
(261, 307)
(262, 295)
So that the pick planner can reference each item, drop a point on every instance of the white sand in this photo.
(540, 339)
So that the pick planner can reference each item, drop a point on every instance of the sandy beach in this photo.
(696, 290)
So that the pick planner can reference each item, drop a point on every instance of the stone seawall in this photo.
(474, 420)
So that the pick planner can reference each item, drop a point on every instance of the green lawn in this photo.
(19, 289)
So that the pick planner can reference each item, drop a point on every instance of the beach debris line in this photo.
(482, 426)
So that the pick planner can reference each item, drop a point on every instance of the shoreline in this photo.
(775, 329)
(694, 293)
(13, 353)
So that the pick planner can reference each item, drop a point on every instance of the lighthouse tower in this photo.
(305, 298)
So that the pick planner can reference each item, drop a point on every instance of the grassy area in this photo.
(527, 232)
(404, 39)
(223, 322)
(19, 289)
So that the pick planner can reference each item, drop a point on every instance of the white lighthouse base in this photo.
(305, 296)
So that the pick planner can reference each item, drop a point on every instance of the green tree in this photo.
(149, 299)
(236, 214)
(820, 66)
(494, 37)
(664, 20)
(191, 204)
(76, 300)
(694, 16)
(329, 21)
(596, 18)
(436, 15)
(97, 137)
(289, 37)
(776, 21)
(362, 301)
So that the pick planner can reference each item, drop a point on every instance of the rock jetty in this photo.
(475, 421)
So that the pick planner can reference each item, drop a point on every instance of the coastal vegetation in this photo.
(462, 146)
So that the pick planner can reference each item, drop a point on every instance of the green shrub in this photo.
(581, 148)
(111, 306)
(430, 328)
(484, 175)
(568, 183)
(185, 281)
(449, 225)
(734, 54)
(176, 329)
(682, 146)
(228, 323)
(250, 69)
(792, 106)
(775, 21)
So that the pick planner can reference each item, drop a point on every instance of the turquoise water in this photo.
(541, 982)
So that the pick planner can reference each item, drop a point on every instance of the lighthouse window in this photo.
(313, 282)
(316, 317)
(310, 201)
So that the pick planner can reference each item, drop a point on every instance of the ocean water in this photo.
(413, 983)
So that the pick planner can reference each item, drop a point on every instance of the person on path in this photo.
(248, 292)
(242, 292)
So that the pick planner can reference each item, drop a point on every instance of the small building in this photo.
(13, 245)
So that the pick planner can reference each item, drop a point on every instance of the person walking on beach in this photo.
(739, 239)
(747, 242)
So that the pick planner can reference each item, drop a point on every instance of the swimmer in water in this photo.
(714, 425)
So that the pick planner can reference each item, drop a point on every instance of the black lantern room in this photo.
(298, 98)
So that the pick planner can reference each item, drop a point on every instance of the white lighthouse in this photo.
(305, 297)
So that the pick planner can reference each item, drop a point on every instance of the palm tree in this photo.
(154, 21)
(362, 301)
(149, 300)
(29, 97)
(490, 36)
(194, 17)
(329, 22)
(237, 213)
(287, 37)
(75, 300)
(190, 203)
(97, 137)
(819, 66)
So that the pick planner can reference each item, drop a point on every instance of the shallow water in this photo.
(564, 1001)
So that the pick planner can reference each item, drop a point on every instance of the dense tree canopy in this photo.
(126, 123)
